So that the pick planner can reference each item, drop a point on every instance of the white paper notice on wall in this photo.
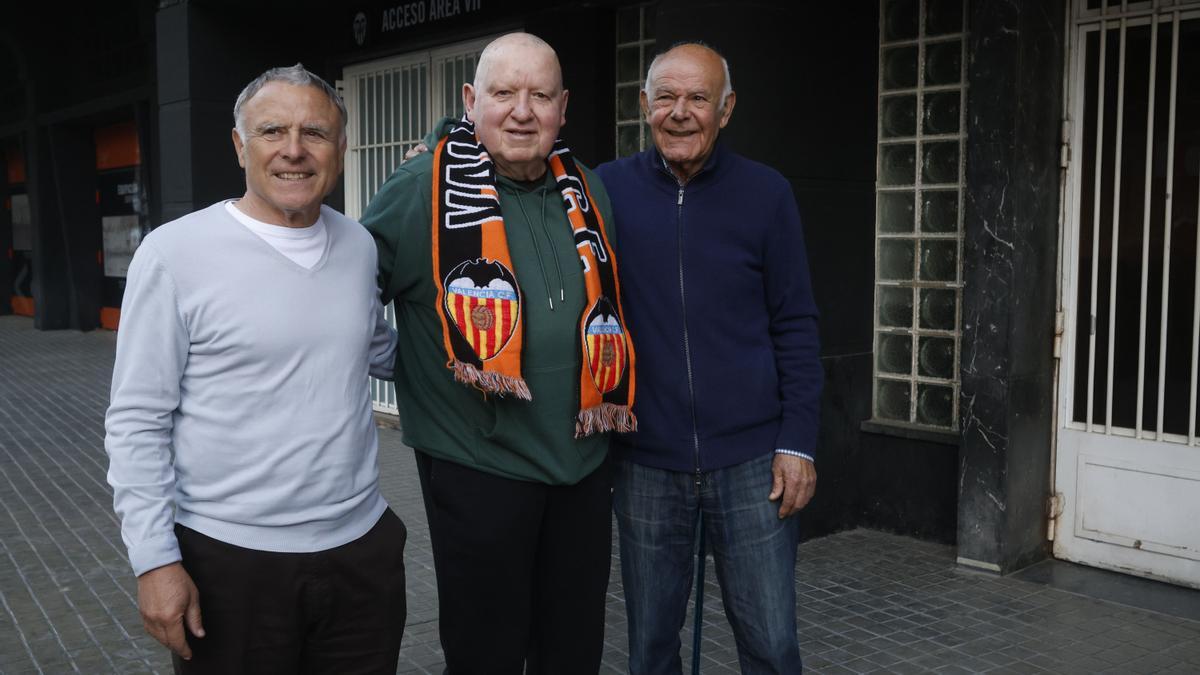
(22, 223)
(122, 234)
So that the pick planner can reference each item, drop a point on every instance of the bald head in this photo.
(515, 48)
(697, 54)
(517, 103)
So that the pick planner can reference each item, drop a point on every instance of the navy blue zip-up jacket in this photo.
(718, 301)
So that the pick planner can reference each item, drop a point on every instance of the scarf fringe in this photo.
(490, 382)
(605, 417)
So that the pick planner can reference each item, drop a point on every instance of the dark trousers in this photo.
(336, 611)
(522, 569)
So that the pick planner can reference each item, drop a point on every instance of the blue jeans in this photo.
(755, 554)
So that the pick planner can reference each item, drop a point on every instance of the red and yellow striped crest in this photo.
(606, 354)
(483, 303)
(485, 318)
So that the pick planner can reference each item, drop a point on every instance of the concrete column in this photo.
(66, 261)
(6, 242)
(174, 111)
(1009, 264)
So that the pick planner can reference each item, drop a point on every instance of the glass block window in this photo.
(918, 214)
(635, 51)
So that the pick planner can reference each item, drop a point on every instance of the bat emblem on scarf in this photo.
(483, 302)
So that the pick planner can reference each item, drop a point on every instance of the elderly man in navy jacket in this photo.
(718, 300)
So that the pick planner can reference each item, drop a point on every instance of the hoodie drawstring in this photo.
(562, 294)
(538, 249)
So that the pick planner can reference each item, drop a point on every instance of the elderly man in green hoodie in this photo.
(513, 365)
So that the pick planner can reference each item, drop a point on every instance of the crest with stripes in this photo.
(606, 347)
(483, 301)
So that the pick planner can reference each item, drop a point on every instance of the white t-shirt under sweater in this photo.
(240, 403)
(303, 245)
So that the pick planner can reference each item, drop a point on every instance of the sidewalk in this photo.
(868, 601)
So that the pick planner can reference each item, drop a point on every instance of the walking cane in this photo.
(699, 593)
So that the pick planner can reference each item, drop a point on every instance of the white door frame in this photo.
(1092, 467)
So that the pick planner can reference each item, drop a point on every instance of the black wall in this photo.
(6, 242)
(13, 75)
(589, 69)
(908, 485)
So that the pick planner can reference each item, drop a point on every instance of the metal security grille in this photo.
(389, 106)
(635, 45)
(392, 104)
(1134, 291)
(918, 233)
(451, 68)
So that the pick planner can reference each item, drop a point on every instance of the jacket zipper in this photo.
(687, 345)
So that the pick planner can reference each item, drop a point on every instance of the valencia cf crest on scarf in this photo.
(482, 297)
(606, 346)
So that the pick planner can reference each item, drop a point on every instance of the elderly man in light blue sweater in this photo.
(240, 432)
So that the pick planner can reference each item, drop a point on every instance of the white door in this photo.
(392, 103)
(1128, 460)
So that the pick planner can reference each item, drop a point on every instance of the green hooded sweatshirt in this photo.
(503, 435)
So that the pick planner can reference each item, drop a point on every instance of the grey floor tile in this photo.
(1019, 669)
(907, 668)
(837, 670)
(954, 669)
(860, 666)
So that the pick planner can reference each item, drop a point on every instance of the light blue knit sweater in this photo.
(240, 406)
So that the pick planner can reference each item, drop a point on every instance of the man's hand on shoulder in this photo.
(414, 151)
(795, 482)
(167, 599)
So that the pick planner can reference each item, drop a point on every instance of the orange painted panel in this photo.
(117, 146)
(22, 305)
(14, 161)
(110, 317)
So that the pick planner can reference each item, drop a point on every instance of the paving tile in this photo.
(837, 670)
(1022, 669)
(1044, 660)
(20, 665)
(884, 658)
(860, 665)
(954, 669)
(907, 668)
(998, 658)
